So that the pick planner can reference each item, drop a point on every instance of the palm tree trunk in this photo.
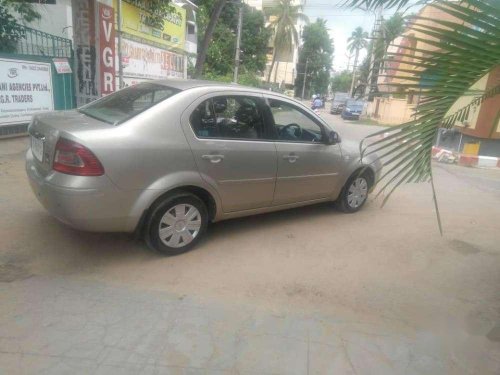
(202, 53)
(354, 73)
(272, 66)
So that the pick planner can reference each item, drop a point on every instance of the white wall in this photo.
(257, 4)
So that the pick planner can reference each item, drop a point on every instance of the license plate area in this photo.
(37, 148)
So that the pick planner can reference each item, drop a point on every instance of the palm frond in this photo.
(441, 60)
(373, 4)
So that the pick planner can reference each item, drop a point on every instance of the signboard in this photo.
(62, 65)
(150, 62)
(135, 17)
(106, 49)
(130, 81)
(85, 51)
(25, 89)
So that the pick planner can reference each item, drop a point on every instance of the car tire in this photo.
(176, 224)
(354, 194)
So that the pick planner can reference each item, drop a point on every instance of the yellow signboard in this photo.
(135, 24)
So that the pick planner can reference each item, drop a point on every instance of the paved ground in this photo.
(306, 291)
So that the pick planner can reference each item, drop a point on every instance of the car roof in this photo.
(186, 84)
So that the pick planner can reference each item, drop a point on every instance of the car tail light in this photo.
(76, 159)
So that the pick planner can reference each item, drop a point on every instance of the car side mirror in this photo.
(333, 138)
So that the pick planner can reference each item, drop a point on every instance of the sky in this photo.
(341, 22)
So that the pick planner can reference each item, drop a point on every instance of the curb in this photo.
(479, 161)
(443, 155)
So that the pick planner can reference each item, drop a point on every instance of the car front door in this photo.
(227, 135)
(308, 168)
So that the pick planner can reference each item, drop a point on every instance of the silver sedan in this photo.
(164, 158)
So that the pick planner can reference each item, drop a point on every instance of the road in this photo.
(304, 291)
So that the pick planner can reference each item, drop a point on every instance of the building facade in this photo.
(395, 107)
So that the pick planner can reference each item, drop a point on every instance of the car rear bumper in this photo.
(85, 203)
(350, 116)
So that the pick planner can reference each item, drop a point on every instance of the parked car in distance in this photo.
(338, 102)
(164, 158)
(353, 109)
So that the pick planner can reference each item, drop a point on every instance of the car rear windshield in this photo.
(127, 103)
(355, 105)
(340, 97)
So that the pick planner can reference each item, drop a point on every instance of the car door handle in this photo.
(213, 158)
(292, 158)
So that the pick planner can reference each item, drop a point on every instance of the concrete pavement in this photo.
(305, 291)
(60, 326)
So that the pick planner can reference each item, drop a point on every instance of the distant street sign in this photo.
(62, 65)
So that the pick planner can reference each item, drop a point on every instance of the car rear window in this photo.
(355, 105)
(127, 103)
(340, 97)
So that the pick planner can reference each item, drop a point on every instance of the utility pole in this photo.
(238, 41)
(305, 77)
(351, 91)
(376, 31)
(120, 62)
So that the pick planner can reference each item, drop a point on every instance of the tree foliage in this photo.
(23, 8)
(220, 53)
(317, 50)
(10, 30)
(358, 40)
(341, 82)
(208, 15)
(392, 28)
(389, 30)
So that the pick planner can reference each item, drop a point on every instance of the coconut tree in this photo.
(284, 17)
(355, 43)
(445, 56)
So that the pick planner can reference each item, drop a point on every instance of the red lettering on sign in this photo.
(107, 48)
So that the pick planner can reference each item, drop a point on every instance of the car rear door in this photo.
(229, 141)
(308, 169)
